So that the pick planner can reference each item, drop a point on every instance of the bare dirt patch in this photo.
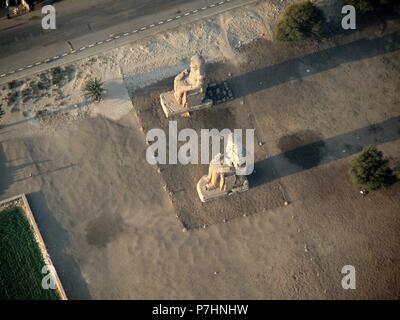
(84, 175)
(104, 229)
(180, 181)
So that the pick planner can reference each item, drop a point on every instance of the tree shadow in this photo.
(314, 63)
(321, 152)
(57, 242)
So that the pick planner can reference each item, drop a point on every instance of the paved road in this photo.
(88, 24)
(75, 18)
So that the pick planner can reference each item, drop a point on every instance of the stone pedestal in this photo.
(229, 189)
(222, 180)
(172, 108)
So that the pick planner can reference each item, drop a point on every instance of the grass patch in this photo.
(21, 259)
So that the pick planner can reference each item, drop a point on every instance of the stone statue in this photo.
(191, 82)
(225, 174)
(189, 92)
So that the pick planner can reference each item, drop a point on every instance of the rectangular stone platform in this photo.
(172, 108)
(208, 195)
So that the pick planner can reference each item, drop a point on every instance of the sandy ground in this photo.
(112, 230)
(144, 62)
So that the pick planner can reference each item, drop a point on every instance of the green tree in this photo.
(300, 22)
(94, 89)
(370, 170)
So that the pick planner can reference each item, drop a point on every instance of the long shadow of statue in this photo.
(270, 76)
(323, 151)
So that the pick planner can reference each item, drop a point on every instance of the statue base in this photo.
(207, 195)
(171, 107)
(17, 11)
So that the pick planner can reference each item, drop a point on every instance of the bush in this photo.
(94, 89)
(300, 22)
(12, 98)
(370, 170)
(44, 82)
(14, 84)
(58, 76)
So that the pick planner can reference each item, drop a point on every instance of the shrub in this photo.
(370, 170)
(12, 98)
(300, 22)
(14, 84)
(94, 89)
(57, 75)
(44, 82)
(70, 71)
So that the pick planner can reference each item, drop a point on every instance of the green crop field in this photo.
(20, 259)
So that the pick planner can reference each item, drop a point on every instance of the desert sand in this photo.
(113, 232)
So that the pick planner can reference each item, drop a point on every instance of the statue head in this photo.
(235, 152)
(197, 63)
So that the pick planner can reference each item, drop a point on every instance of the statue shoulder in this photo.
(183, 74)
